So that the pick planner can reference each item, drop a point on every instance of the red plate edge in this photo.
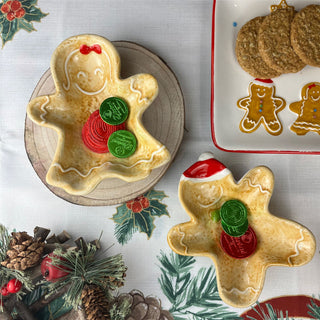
(212, 109)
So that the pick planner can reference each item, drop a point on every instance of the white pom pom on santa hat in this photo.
(263, 82)
(206, 169)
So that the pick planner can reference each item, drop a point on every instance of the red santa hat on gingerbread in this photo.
(206, 169)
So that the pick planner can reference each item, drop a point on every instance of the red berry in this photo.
(5, 8)
(137, 207)
(14, 286)
(20, 13)
(129, 204)
(11, 16)
(15, 5)
(145, 202)
(4, 291)
(53, 273)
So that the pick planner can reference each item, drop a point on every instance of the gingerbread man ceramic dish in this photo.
(86, 72)
(231, 224)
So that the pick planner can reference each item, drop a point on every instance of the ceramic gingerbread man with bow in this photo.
(86, 71)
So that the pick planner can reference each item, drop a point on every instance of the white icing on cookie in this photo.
(137, 91)
(44, 110)
(107, 163)
(214, 202)
(255, 185)
(296, 248)
(238, 291)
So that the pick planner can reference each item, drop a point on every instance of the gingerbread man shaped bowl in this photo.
(231, 224)
(98, 118)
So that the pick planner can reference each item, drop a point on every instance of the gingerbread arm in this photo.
(36, 109)
(279, 103)
(244, 102)
(143, 88)
(296, 106)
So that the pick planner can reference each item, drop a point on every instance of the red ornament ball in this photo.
(4, 291)
(50, 272)
(14, 286)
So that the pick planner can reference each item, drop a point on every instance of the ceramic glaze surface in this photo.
(279, 241)
(86, 71)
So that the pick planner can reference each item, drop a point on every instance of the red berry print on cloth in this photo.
(138, 215)
(16, 15)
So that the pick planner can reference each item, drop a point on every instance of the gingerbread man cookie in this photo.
(231, 224)
(261, 106)
(86, 72)
(308, 110)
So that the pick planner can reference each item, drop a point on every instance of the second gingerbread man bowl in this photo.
(230, 223)
(97, 116)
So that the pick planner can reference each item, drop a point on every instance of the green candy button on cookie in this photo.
(122, 144)
(234, 218)
(114, 111)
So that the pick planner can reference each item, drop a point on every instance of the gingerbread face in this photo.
(93, 76)
(261, 92)
(262, 240)
(86, 72)
(308, 110)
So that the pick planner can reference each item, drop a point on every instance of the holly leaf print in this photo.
(34, 14)
(18, 15)
(157, 208)
(8, 31)
(138, 215)
(144, 222)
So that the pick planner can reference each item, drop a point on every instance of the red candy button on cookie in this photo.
(95, 133)
(239, 247)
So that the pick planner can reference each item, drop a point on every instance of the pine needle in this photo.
(4, 242)
(83, 269)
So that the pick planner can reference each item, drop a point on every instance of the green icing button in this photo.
(114, 111)
(122, 143)
(215, 215)
(234, 218)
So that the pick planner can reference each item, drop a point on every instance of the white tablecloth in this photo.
(180, 33)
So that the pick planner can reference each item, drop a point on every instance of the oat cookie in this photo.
(248, 54)
(305, 35)
(308, 110)
(262, 107)
(274, 42)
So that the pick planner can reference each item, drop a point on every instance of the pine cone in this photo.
(95, 303)
(24, 252)
(142, 308)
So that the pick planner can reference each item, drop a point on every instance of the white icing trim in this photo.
(296, 124)
(181, 241)
(262, 84)
(137, 91)
(214, 202)
(67, 86)
(44, 110)
(255, 185)
(81, 73)
(93, 92)
(296, 248)
(107, 162)
(241, 291)
(206, 156)
(221, 174)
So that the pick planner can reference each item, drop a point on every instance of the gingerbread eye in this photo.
(98, 70)
(258, 89)
(81, 74)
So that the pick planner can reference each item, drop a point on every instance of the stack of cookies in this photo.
(282, 42)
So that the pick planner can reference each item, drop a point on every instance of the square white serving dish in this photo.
(229, 83)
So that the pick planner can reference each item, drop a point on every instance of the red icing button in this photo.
(239, 247)
(95, 133)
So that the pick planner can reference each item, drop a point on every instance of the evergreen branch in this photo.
(108, 273)
(314, 310)
(4, 242)
(271, 314)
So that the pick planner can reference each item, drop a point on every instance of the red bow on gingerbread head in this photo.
(84, 49)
